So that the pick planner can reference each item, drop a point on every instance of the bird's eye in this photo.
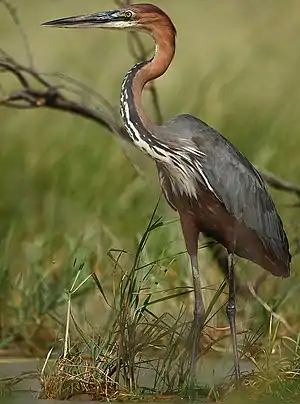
(128, 14)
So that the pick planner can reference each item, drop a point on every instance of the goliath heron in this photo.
(214, 188)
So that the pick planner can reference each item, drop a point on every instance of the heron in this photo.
(204, 177)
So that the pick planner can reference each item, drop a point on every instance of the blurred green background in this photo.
(68, 190)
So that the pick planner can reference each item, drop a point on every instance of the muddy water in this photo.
(212, 370)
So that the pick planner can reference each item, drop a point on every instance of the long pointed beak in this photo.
(82, 21)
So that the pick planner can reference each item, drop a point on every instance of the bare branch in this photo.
(15, 71)
(29, 96)
(34, 91)
(86, 90)
(280, 184)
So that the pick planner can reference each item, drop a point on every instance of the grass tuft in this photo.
(141, 353)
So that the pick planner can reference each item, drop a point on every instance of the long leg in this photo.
(231, 310)
(191, 235)
(199, 312)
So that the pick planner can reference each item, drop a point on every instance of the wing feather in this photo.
(241, 188)
(234, 180)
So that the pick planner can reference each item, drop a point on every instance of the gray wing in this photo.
(236, 183)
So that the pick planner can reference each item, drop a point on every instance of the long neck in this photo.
(135, 118)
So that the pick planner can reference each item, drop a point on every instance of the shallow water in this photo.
(212, 369)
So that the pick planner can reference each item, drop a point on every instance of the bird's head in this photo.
(137, 16)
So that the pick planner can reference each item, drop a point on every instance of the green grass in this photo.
(276, 383)
(276, 392)
(137, 354)
(69, 195)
